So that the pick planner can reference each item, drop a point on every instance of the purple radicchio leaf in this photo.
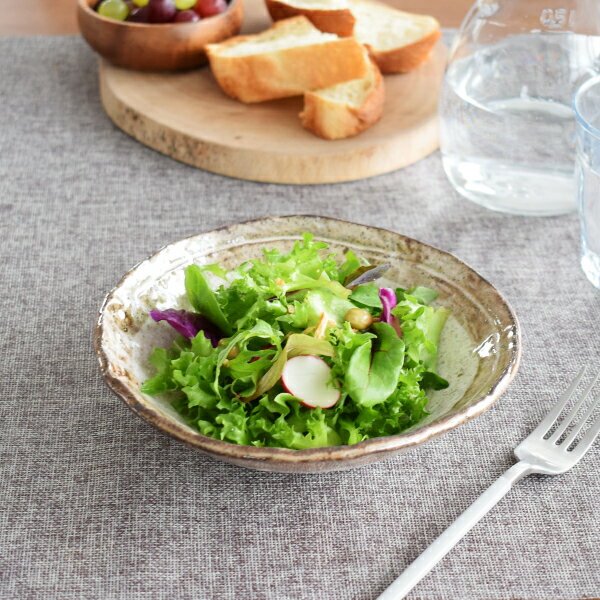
(188, 324)
(388, 301)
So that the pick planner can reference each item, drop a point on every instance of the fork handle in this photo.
(445, 542)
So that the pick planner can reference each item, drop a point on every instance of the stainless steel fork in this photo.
(546, 450)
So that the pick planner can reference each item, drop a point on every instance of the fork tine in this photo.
(573, 433)
(571, 416)
(549, 419)
(588, 439)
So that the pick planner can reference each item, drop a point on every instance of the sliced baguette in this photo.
(397, 41)
(331, 16)
(288, 59)
(345, 109)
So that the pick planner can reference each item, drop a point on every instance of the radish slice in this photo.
(308, 378)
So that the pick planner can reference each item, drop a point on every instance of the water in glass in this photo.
(587, 110)
(590, 223)
(507, 126)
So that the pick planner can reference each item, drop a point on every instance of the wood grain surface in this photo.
(188, 117)
(57, 17)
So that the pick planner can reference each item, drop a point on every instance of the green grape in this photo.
(185, 4)
(141, 2)
(114, 9)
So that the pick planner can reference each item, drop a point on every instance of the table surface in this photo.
(102, 515)
(96, 504)
(27, 17)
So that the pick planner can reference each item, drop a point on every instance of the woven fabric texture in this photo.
(96, 504)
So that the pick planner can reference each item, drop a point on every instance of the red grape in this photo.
(186, 16)
(161, 11)
(208, 8)
(139, 15)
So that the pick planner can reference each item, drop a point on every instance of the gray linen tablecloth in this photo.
(96, 504)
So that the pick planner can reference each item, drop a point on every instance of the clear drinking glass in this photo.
(507, 126)
(587, 112)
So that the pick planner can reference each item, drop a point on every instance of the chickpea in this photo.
(359, 318)
(233, 352)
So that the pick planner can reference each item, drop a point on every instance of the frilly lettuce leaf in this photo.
(307, 312)
(303, 268)
(233, 392)
(241, 341)
(285, 421)
(422, 326)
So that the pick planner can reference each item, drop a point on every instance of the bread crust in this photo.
(334, 120)
(400, 59)
(285, 72)
(405, 58)
(341, 21)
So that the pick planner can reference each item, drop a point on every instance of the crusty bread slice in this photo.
(289, 58)
(345, 109)
(331, 16)
(397, 41)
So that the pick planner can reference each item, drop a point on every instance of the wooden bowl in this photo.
(156, 47)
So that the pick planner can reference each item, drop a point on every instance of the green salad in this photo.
(293, 351)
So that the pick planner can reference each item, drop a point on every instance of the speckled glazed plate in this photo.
(479, 350)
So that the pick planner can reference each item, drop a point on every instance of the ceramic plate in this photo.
(479, 350)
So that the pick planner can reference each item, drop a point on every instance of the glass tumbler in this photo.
(507, 126)
(587, 112)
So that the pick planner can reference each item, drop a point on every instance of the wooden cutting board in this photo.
(187, 117)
